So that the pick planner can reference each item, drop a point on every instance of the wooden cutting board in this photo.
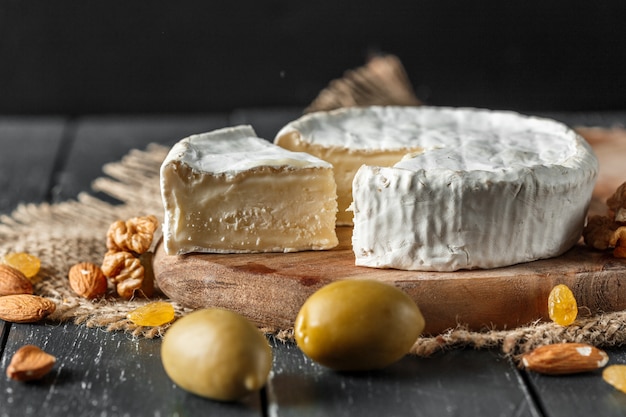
(270, 288)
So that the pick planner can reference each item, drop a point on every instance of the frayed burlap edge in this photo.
(74, 231)
(67, 233)
(603, 331)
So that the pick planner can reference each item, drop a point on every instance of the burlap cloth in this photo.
(74, 231)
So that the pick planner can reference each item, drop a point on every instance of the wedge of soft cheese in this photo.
(459, 188)
(229, 191)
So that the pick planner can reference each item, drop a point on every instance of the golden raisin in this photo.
(152, 314)
(562, 306)
(28, 264)
(615, 375)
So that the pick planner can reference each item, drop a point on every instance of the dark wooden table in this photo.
(98, 373)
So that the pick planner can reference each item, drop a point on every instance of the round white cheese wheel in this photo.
(473, 188)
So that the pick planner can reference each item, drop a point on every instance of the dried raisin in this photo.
(28, 264)
(156, 313)
(615, 375)
(562, 306)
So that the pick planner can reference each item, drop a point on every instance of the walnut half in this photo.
(604, 232)
(132, 235)
(125, 272)
(128, 262)
(617, 204)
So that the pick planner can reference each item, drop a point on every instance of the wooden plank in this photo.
(269, 288)
(459, 382)
(27, 160)
(29, 150)
(102, 373)
(102, 139)
(581, 395)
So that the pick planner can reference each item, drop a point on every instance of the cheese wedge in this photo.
(455, 188)
(228, 191)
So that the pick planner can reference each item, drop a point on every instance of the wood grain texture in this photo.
(30, 147)
(270, 288)
(102, 373)
(443, 385)
(584, 395)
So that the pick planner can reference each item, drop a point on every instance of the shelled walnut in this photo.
(604, 232)
(125, 263)
(125, 271)
(617, 204)
(132, 235)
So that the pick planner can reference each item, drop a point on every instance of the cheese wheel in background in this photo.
(458, 188)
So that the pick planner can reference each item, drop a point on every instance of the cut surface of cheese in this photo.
(459, 188)
(228, 191)
(346, 144)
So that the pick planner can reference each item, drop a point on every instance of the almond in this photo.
(565, 358)
(13, 281)
(87, 280)
(29, 363)
(25, 308)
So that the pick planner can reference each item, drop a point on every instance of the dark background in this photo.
(81, 56)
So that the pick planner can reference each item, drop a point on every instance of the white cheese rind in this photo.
(228, 191)
(444, 189)
(490, 189)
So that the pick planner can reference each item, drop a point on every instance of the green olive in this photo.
(358, 325)
(216, 353)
